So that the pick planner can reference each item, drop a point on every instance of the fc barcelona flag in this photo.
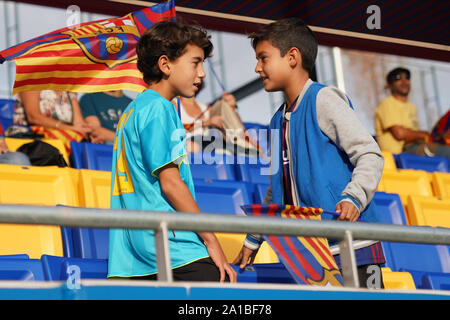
(308, 259)
(95, 56)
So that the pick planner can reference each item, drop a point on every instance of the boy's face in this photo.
(273, 69)
(187, 72)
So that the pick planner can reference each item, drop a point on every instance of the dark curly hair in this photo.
(286, 34)
(168, 38)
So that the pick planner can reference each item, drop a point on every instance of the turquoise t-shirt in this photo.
(149, 136)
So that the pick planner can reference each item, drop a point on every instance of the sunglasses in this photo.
(399, 76)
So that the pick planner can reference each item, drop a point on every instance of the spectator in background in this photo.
(8, 157)
(397, 124)
(50, 109)
(199, 118)
(102, 111)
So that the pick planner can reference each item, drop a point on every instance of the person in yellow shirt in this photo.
(396, 122)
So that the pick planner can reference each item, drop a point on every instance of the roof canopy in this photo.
(413, 28)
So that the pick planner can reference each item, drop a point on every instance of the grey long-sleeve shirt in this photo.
(339, 122)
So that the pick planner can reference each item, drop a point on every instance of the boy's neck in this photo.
(163, 89)
(294, 89)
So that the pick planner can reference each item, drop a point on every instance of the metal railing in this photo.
(161, 222)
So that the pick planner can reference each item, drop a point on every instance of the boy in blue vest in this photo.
(149, 169)
(323, 156)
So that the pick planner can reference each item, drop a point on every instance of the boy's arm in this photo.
(340, 123)
(181, 199)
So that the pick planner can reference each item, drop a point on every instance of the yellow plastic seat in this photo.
(389, 161)
(429, 211)
(14, 144)
(34, 240)
(406, 182)
(397, 280)
(95, 188)
(441, 184)
(43, 186)
(232, 244)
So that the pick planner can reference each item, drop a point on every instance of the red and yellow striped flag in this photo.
(96, 56)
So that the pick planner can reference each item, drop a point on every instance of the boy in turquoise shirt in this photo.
(150, 170)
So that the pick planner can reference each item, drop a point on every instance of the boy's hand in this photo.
(217, 255)
(348, 211)
(3, 147)
(245, 256)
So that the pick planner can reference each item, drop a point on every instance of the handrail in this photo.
(163, 221)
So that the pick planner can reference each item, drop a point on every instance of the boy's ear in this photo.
(294, 57)
(164, 65)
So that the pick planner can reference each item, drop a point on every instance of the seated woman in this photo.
(50, 109)
(196, 120)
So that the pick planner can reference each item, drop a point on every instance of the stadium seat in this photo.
(88, 243)
(417, 259)
(390, 208)
(441, 184)
(15, 256)
(212, 199)
(397, 280)
(21, 270)
(245, 187)
(33, 240)
(36, 185)
(428, 211)
(95, 188)
(389, 161)
(76, 155)
(57, 268)
(97, 156)
(264, 273)
(216, 171)
(6, 113)
(436, 281)
(255, 173)
(260, 192)
(406, 182)
(232, 243)
(417, 162)
(14, 144)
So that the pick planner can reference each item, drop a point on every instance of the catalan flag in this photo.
(96, 56)
(308, 259)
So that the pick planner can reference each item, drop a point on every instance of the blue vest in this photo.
(320, 169)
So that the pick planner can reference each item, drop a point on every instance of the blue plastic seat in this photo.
(436, 281)
(255, 173)
(6, 113)
(218, 171)
(264, 273)
(97, 156)
(223, 200)
(76, 156)
(245, 187)
(15, 256)
(58, 268)
(390, 208)
(86, 243)
(260, 192)
(430, 164)
(21, 269)
(417, 259)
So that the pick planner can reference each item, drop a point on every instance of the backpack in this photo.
(43, 154)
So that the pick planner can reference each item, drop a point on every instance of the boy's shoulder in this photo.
(150, 105)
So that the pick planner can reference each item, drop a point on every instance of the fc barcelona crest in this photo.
(108, 43)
